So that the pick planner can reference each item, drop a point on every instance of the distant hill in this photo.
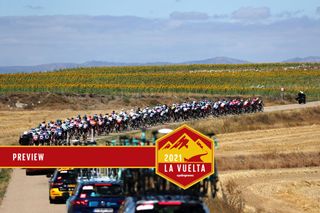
(60, 66)
(218, 60)
(306, 59)
(37, 68)
(103, 64)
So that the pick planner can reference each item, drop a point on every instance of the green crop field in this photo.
(247, 79)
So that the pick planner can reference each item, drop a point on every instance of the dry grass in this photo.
(232, 195)
(269, 161)
(55, 101)
(251, 122)
(259, 121)
(279, 140)
(16, 122)
(5, 175)
(218, 205)
(230, 201)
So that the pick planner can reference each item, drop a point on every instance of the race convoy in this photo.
(79, 128)
(128, 190)
(164, 203)
(37, 171)
(62, 184)
(96, 195)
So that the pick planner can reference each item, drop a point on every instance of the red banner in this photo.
(81, 157)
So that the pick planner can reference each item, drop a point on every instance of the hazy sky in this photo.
(43, 31)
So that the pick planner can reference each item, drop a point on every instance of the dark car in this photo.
(164, 204)
(96, 195)
(62, 184)
(40, 171)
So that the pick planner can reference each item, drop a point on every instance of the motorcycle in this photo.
(301, 98)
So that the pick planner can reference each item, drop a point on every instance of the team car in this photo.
(40, 171)
(62, 184)
(96, 195)
(163, 203)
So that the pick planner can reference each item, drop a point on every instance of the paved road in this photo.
(266, 109)
(30, 193)
(291, 106)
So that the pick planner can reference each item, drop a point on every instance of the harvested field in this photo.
(279, 190)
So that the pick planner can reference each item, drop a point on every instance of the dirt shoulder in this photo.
(62, 101)
(28, 194)
(5, 175)
(291, 106)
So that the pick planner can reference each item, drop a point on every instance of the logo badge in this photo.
(184, 157)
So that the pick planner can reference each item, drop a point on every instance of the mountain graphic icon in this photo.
(184, 142)
(192, 151)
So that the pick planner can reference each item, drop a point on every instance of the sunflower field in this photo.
(247, 79)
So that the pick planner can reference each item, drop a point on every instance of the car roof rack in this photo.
(99, 179)
(168, 197)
